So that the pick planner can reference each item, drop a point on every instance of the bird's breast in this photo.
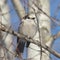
(28, 27)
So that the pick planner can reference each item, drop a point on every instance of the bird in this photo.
(29, 29)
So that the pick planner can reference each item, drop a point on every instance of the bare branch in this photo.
(56, 35)
(19, 8)
(32, 41)
(53, 19)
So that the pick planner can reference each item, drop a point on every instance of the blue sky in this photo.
(53, 7)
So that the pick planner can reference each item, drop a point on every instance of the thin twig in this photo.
(36, 42)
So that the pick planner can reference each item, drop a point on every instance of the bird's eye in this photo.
(33, 18)
(25, 17)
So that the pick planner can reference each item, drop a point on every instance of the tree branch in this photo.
(32, 41)
(19, 8)
(53, 19)
(56, 35)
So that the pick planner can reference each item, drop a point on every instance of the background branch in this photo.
(56, 35)
(32, 41)
(19, 8)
